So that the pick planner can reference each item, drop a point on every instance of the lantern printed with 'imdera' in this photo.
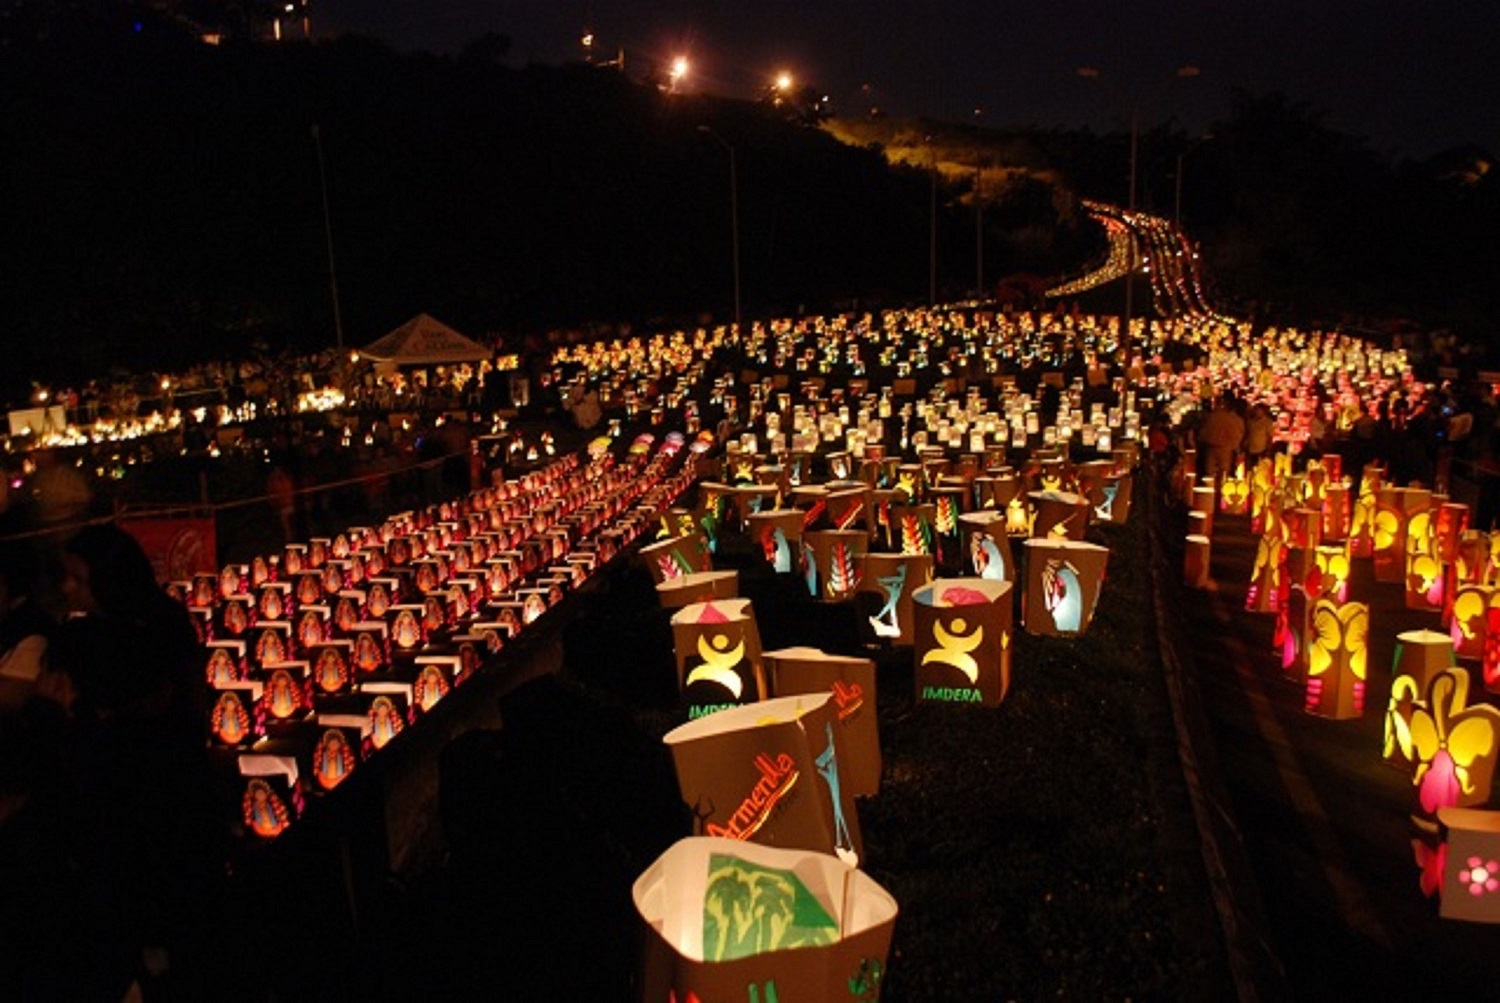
(963, 636)
(1336, 659)
(886, 584)
(1063, 579)
(717, 645)
(683, 555)
(724, 919)
(769, 773)
(851, 681)
(831, 557)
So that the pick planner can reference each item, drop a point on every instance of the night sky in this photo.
(1411, 78)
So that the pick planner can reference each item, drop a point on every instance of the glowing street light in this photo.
(678, 72)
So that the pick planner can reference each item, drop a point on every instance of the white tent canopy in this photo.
(424, 341)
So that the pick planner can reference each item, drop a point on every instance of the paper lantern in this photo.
(851, 684)
(1361, 540)
(1195, 562)
(886, 584)
(717, 648)
(1332, 579)
(1336, 659)
(987, 546)
(779, 534)
(768, 773)
(1063, 579)
(831, 562)
(1425, 578)
(914, 533)
(734, 921)
(1449, 526)
(1453, 746)
(700, 586)
(1420, 656)
(962, 645)
(1234, 492)
(338, 749)
(1115, 506)
(1267, 575)
(271, 798)
(1470, 865)
(1469, 618)
(851, 508)
(1335, 523)
(1202, 500)
(1490, 656)
(1060, 515)
(669, 559)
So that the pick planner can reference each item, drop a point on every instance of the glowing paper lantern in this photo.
(1060, 515)
(270, 798)
(1196, 562)
(1335, 527)
(1471, 865)
(851, 684)
(851, 507)
(717, 647)
(1202, 500)
(769, 773)
(1420, 656)
(752, 498)
(700, 586)
(913, 529)
(821, 930)
(987, 546)
(1332, 579)
(1468, 622)
(1453, 746)
(1425, 578)
(338, 749)
(1063, 579)
(778, 533)
(831, 562)
(963, 636)
(1336, 659)
(886, 585)
(1234, 492)
(670, 559)
(1267, 575)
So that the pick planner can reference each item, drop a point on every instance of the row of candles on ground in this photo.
(320, 656)
(1311, 531)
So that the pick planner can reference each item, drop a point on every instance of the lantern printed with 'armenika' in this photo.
(717, 647)
(1063, 579)
(851, 681)
(769, 773)
(963, 639)
(721, 916)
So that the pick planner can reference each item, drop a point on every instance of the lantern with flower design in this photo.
(1336, 659)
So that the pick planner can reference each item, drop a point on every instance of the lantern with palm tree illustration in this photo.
(1336, 659)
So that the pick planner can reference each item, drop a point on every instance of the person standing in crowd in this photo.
(145, 816)
(1220, 435)
(1260, 430)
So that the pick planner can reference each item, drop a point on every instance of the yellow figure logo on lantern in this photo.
(719, 661)
(954, 648)
(1453, 744)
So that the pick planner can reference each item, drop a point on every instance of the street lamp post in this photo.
(734, 218)
(333, 282)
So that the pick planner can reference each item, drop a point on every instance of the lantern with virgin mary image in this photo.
(963, 637)
(721, 915)
(717, 648)
(1063, 579)
(769, 773)
(1336, 659)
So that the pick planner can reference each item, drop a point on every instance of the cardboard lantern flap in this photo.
(851, 681)
(700, 586)
(962, 640)
(1063, 580)
(821, 929)
(769, 773)
(886, 584)
(717, 648)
